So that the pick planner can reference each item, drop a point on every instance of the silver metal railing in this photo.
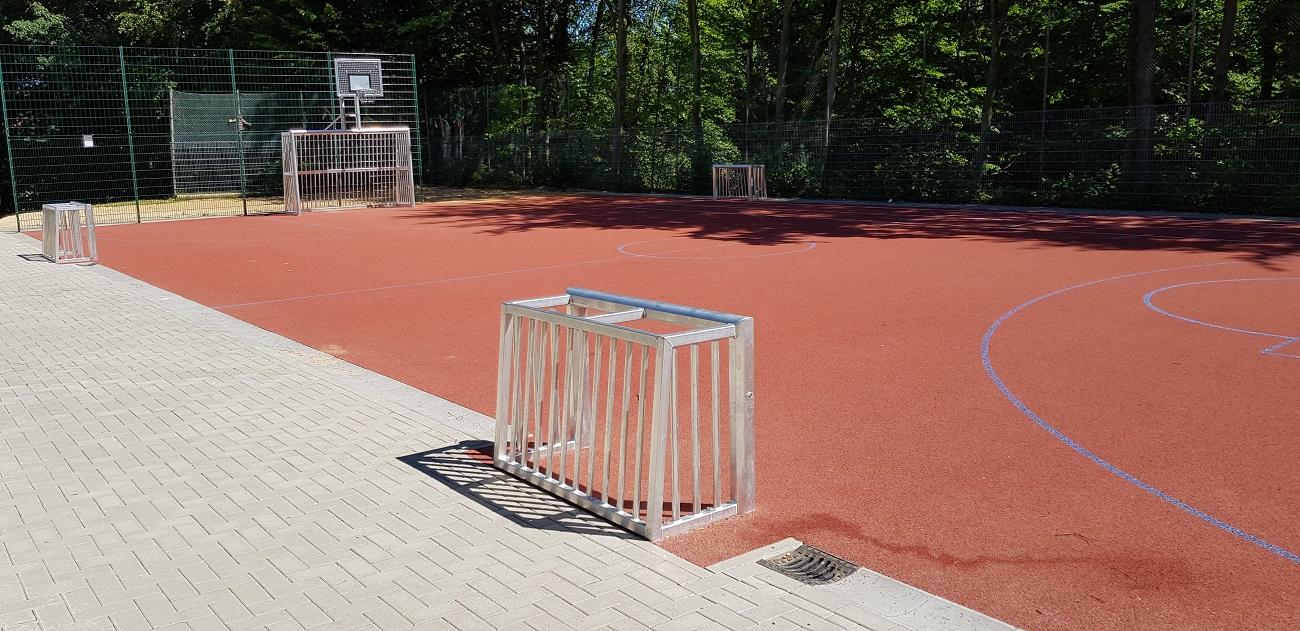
(346, 169)
(740, 180)
(573, 384)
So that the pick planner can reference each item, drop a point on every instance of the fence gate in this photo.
(624, 421)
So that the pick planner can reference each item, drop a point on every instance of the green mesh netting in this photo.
(215, 138)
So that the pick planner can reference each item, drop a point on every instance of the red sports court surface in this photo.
(1063, 420)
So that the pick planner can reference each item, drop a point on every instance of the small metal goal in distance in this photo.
(347, 169)
(62, 239)
(624, 421)
(740, 180)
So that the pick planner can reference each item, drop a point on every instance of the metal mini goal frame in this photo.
(572, 390)
(740, 180)
(62, 238)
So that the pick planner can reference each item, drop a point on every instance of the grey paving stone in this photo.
(163, 465)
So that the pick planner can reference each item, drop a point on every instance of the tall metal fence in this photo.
(1204, 157)
(148, 133)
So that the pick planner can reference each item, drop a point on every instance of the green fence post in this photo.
(130, 135)
(9, 149)
(239, 131)
(331, 89)
(419, 135)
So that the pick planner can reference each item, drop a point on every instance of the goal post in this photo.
(740, 180)
(347, 169)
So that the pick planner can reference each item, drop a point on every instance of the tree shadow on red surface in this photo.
(783, 222)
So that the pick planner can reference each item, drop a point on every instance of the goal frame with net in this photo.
(740, 180)
(332, 169)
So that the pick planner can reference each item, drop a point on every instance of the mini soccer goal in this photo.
(739, 180)
(347, 168)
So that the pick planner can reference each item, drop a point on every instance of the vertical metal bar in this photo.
(539, 388)
(171, 130)
(75, 245)
(609, 419)
(130, 134)
(521, 418)
(568, 413)
(627, 406)
(570, 364)
(695, 426)
(503, 384)
(741, 365)
(659, 413)
(515, 404)
(239, 131)
(9, 148)
(416, 156)
(332, 85)
(674, 431)
(90, 231)
(551, 424)
(640, 434)
(592, 431)
(717, 433)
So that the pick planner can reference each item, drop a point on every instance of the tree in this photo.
(1223, 54)
(1142, 86)
(997, 22)
(783, 58)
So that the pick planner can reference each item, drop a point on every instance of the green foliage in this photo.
(524, 78)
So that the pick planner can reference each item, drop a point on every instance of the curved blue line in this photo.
(1287, 339)
(1210, 519)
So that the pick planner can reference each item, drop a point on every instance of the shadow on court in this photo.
(466, 468)
(775, 222)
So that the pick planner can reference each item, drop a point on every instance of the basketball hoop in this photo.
(360, 79)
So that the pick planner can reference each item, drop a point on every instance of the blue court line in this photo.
(1210, 519)
(1272, 350)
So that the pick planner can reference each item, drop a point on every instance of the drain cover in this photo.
(810, 565)
(34, 257)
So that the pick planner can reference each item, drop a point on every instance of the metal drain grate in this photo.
(810, 565)
(34, 257)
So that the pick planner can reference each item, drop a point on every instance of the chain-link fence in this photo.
(1206, 157)
(162, 133)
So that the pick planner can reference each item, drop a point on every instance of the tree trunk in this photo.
(541, 83)
(595, 43)
(1222, 56)
(1000, 9)
(495, 23)
(1268, 59)
(697, 124)
(1143, 78)
(832, 67)
(1143, 91)
(783, 58)
(620, 90)
(1191, 58)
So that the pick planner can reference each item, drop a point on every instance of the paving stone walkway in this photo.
(164, 466)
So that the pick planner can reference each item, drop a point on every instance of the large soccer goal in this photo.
(347, 168)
